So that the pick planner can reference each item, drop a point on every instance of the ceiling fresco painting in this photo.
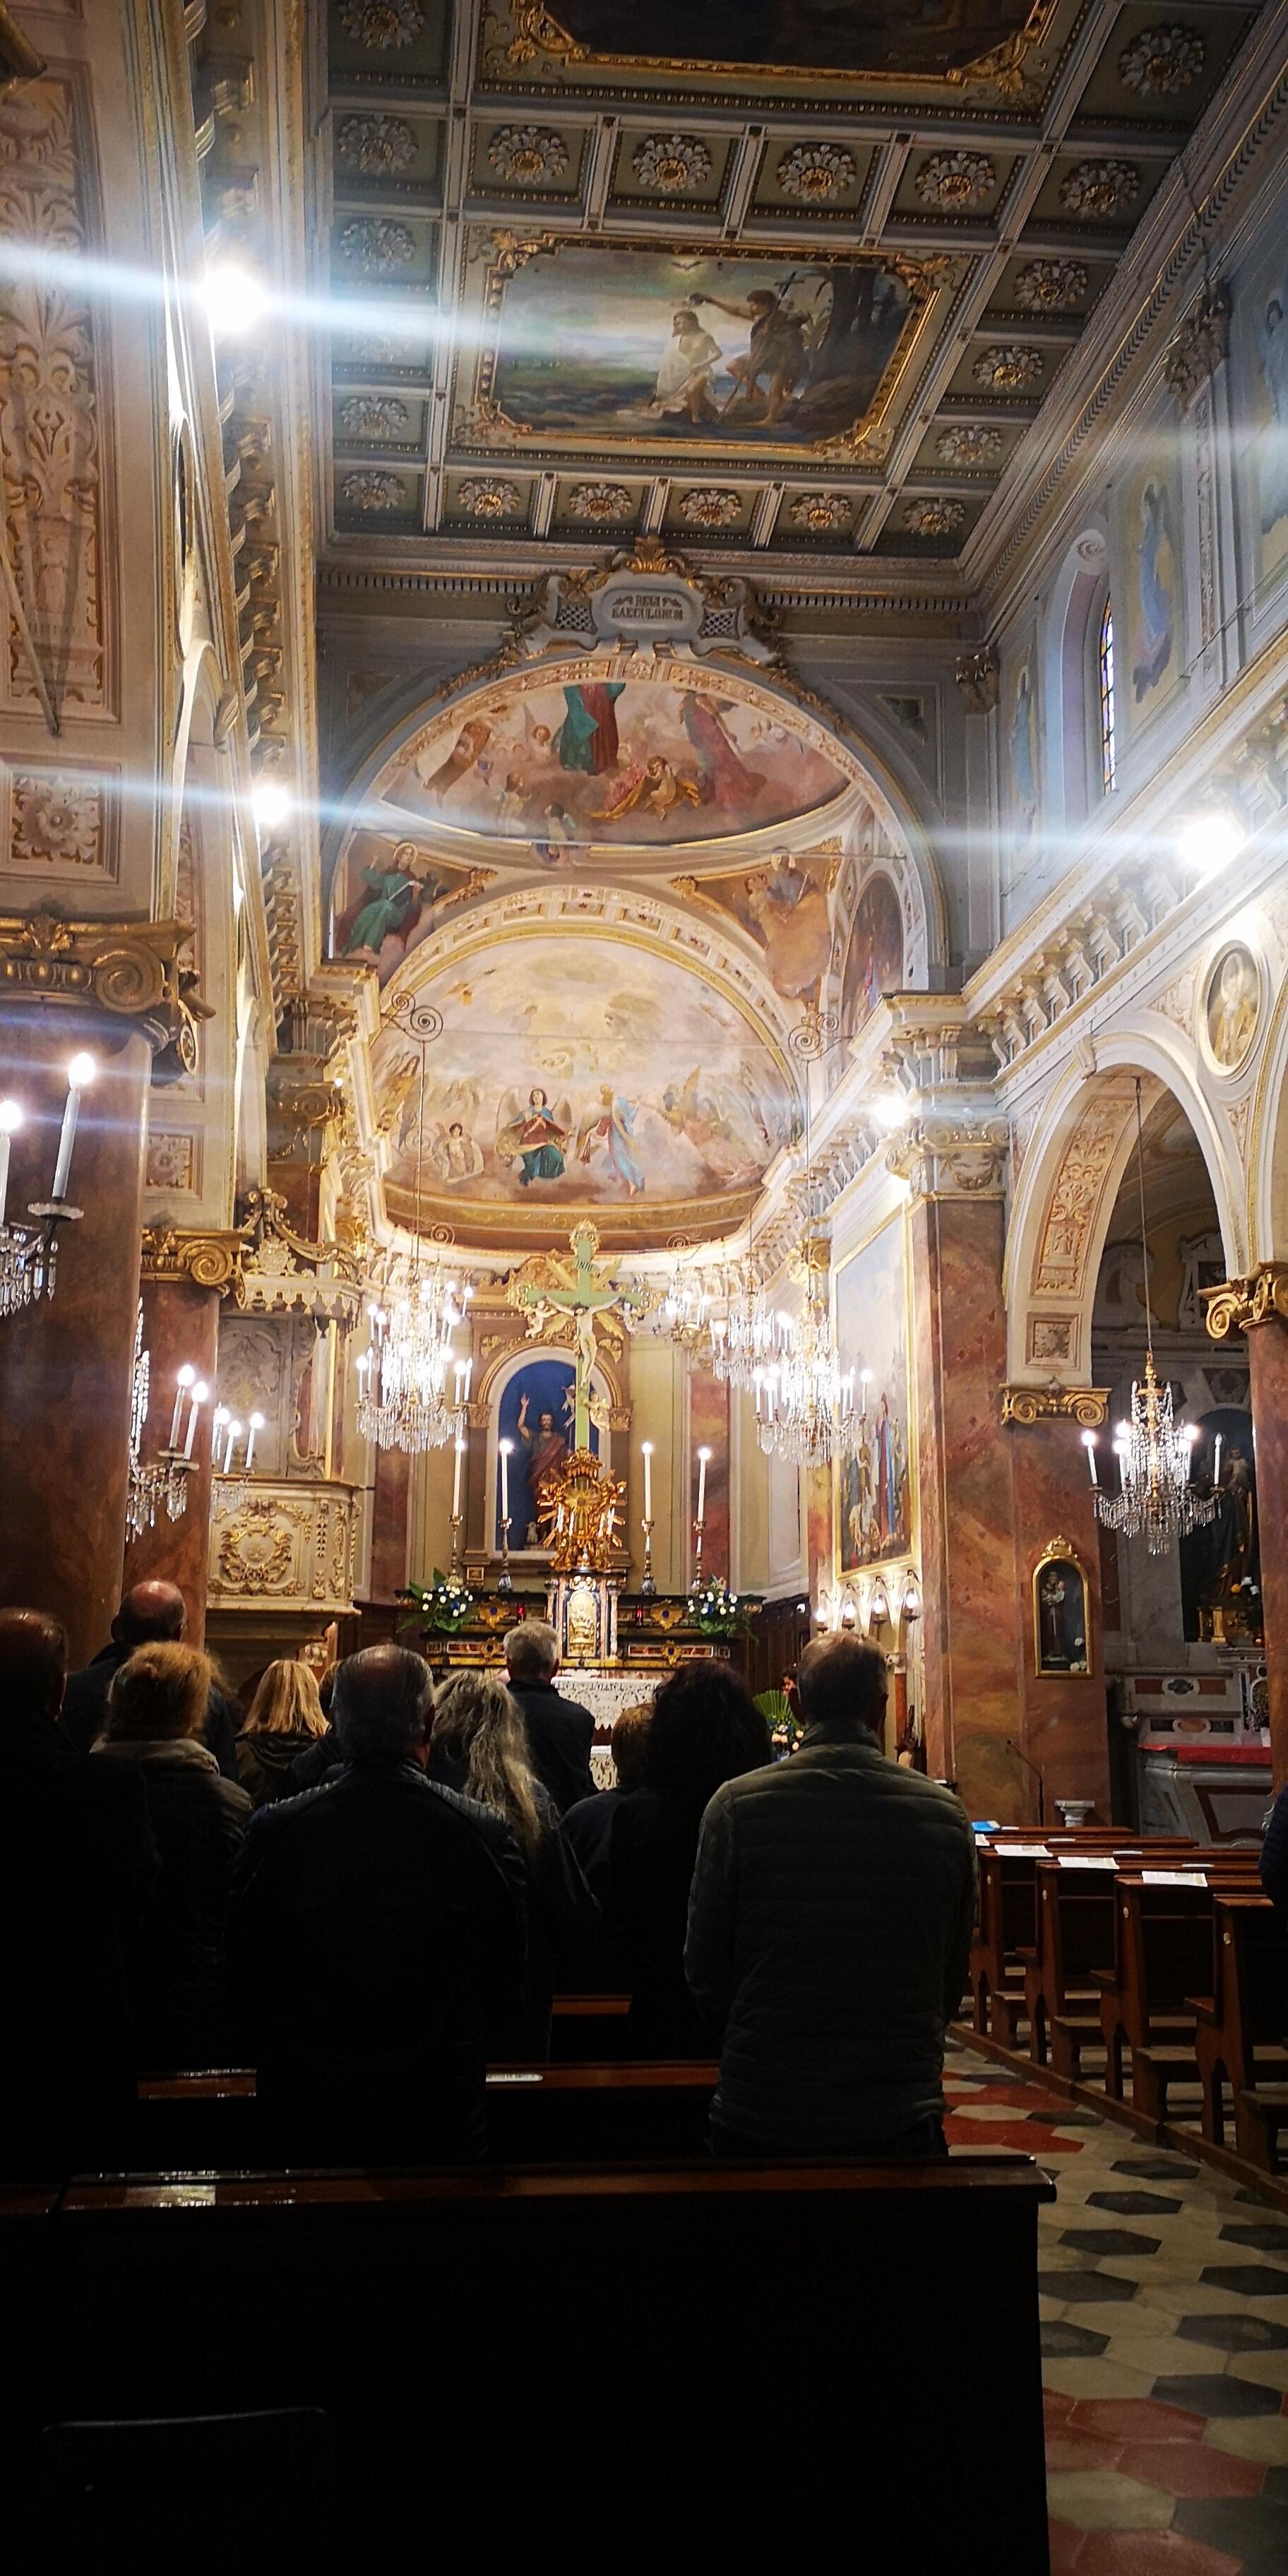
(784, 906)
(874, 958)
(613, 756)
(633, 344)
(571, 1071)
(844, 36)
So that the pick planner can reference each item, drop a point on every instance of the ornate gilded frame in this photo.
(1062, 1552)
(539, 31)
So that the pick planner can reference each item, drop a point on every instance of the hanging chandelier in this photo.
(164, 1485)
(804, 1398)
(1157, 1499)
(743, 1329)
(412, 1388)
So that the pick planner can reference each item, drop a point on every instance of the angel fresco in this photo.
(534, 1135)
(457, 1156)
(610, 1128)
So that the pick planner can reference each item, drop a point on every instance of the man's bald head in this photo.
(151, 1614)
(33, 1661)
(842, 1683)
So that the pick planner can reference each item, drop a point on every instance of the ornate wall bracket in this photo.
(126, 969)
(206, 1259)
(1088, 1406)
(946, 1158)
(1197, 348)
(1240, 1303)
(977, 676)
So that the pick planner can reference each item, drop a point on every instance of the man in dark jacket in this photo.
(560, 1731)
(376, 1930)
(153, 1614)
(77, 1868)
(829, 1932)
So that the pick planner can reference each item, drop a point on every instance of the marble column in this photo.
(1257, 1307)
(390, 1505)
(1066, 1728)
(66, 1363)
(180, 1325)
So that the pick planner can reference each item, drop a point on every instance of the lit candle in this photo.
(505, 1447)
(456, 1480)
(10, 1122)
(234, 1435)
(865, 1380)
(465, 1390)
(187, 1377)
(200, 1395)
(703, 1455)
(460, 1380)
(80, 1074)
(648, 1479)
(1216, 1462)
(256, 1424)
(1089, 1444)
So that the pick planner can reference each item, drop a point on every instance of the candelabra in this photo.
(698, 1527)
(505, 1580)
(647, 1585)
(230, 1483)
(29, 1253)
(164, 1485)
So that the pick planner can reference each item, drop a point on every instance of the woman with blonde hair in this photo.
(285, 1718)
(479, 1747)
(156, 1709)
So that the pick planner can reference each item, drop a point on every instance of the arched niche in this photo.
(1065, 1193)
(522, 1359)
(1071, 676)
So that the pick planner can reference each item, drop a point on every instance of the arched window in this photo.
(1108, 748)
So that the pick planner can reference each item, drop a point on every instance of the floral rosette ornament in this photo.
(442, 1606)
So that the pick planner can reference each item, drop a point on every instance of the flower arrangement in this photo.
(442, 1606)
(717, 1611)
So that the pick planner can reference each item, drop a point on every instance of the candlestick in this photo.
(200, 1395)
(503, 1448)
(10, 1122)
(647, 1454)
(456, 1479)
(703, 1456)
(647, 1585)
(504, 1580)
(1216, 1462)
(256, 1424)
(1089, 1444)
(187, 1377)
(80, 1074)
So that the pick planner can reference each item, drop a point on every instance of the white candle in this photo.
(648, 1480)
(865, 1380)
(10, 1122)
(703, 1455)
(1216, 1463)
(456, 1480)
(505, 1479)
(465, 1390)
(187, 1377)
(1089, 1444)
(200, 1394)
(256, 1424)
(80, 1074)
(234, 1435)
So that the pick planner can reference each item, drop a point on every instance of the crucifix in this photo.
(578, 1289)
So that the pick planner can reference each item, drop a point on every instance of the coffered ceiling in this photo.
(798, 297)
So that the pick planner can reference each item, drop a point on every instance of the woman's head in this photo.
(159, 1694)
(706, 1729)
(478, 1724)
(286, 1702)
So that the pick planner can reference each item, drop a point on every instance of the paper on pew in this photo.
(1174, 1878)
(1085, 1860)
(1023, 1851)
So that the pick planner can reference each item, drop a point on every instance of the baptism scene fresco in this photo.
(641, 344)
(823, 35)
(563, 765)
(577, 1070)
(874, 1503)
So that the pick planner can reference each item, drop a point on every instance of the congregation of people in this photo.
(372, 1890)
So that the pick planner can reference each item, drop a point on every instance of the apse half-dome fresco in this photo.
(576, 1071)
(612, 757)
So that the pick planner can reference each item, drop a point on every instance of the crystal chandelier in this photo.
(1157, 1500)
(29, 1254)
(163, 1486)
(743, 1331)
(804, 1398)
(411, 1386)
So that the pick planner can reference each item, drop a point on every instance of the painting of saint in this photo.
(617, 342)
(874, 1506)
(874, 958)
(533, 1135)
(390, 896)
(609, 1130)
(600, 762)
(785, 906)
(457, 1157)
(818, 36)
(1233, 1007)
(535, 1414)
(1024, 751)
(1155, 569)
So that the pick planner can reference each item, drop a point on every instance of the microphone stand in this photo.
(1021, 1756)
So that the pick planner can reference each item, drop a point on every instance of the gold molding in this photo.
(127, 968)
(19, 59)
(539, 30)
(204, 1256)
(1086, 1405)
(1238, 1304)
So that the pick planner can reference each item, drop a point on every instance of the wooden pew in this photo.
(27, 2214)
(1240, 2026)
(1162, 1953)
(1006, 1932)
(667, 2315)
(588, 2028)
(1074, 1937)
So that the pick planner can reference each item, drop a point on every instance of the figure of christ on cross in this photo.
(582, 1297)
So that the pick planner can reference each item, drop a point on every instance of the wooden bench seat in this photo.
(1240, 2025)
(1162, 1954)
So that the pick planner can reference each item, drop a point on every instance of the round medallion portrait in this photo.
(1232, 1008)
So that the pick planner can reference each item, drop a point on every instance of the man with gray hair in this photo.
(375, 1935)
(560, 1731)
(829, 1932)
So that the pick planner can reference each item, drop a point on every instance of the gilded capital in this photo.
(1085, 1405)
(126, 969)
(1238, 1304)
(204, 1257)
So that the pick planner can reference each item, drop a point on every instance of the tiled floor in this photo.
(1164, 2305)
